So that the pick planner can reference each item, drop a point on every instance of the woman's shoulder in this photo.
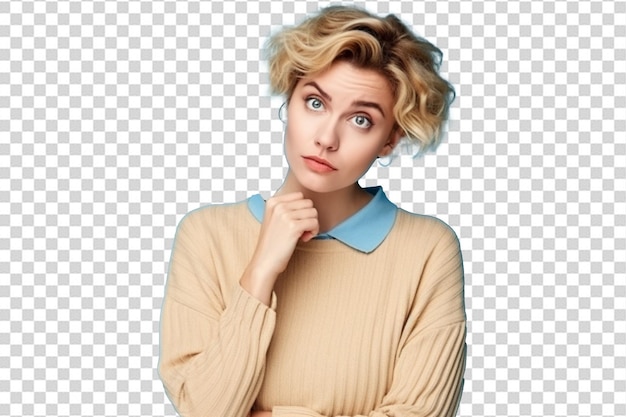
(423, 226)
(215, 215)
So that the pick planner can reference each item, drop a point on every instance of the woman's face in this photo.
(339, 122)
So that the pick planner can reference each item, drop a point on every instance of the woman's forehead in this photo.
(344, 78)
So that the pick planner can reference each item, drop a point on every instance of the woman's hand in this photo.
(260, 414)
(288, 218)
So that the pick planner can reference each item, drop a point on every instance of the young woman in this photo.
(326, 299)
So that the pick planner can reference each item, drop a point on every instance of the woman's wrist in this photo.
(258, 284)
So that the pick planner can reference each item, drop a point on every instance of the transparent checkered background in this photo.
(117, 117)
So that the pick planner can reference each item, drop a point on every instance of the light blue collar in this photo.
(365, 230)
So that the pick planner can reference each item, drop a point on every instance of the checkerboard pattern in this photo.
(118, 117)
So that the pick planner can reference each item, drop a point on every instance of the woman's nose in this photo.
(327, 135)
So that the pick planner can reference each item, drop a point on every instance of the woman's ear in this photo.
(394, 139)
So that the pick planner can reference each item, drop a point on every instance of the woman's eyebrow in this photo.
(356, 103)
(360, 103)
(322, 92)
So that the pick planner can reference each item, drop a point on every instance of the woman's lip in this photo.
(315, 165)
(320, 161)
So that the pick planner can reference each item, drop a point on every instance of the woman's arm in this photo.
(213, 345)
(288, 218)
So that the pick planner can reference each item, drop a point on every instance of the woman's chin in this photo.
(322, 186)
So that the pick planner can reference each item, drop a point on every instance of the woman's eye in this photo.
(362, 122)
(314, 103)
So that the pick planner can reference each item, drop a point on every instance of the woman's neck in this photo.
(332, 207)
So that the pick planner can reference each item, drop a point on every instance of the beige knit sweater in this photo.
(348, 333)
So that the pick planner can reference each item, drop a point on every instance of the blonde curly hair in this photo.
(409, 62)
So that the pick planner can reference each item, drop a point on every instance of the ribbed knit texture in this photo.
(348, 333)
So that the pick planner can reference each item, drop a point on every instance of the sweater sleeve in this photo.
(428, 373)
(213, 342)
